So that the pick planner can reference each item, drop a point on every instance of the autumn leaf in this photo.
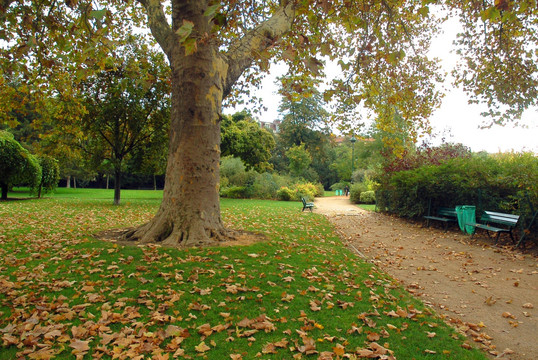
(80, 346)
(202, 347)
(339, 350)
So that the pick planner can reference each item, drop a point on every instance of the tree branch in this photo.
(243, 52)
(160, 28)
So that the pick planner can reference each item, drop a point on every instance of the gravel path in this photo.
(489, 293)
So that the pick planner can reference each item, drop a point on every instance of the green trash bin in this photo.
(469, 217)
(461, 221)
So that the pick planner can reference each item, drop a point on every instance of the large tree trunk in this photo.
(68, 182)
(190, 211)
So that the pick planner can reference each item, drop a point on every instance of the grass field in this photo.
(299, 295)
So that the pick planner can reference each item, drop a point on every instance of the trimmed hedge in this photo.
(367, 197)
(501, 182)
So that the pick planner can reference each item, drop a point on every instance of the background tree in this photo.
(299, 160)
(151, 159)
(17, 165)
(305, 121)
(242, 137)
(50, 174)
(126, 106)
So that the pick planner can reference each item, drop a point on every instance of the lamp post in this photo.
(353, 140)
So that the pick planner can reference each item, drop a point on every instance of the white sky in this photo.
(456, 120)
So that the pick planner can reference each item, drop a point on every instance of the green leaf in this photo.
(490, 13)
(190, 46)
(98, 14)
(185, 30)
(424, 11)
(211, 11)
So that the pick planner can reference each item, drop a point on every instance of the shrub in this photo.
(265, 186)
(284, 194)
(17, 165)
(307, 191)
(367, 197)
(496, 183)
(235, 192)
(320, 191)
(355, 192)
(234, 170)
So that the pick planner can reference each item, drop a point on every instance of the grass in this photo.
(369, 207)
(301, 294)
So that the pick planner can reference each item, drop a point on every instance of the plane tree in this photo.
(214, 46)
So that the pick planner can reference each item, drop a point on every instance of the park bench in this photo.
(307, 205)
(489, 217)
(444, 214)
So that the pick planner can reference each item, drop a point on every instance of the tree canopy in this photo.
(17, 165)
(242, 137)
(126, 106)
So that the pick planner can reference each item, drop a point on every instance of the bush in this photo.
(233, 169)
(284, 194)
(355, 192)
(17, 165)
(307, 191)
(265, 186)
(235, 192)
(320, 191)
(367, 197)
(496, 183)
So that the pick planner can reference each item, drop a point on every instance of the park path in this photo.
(488, 292)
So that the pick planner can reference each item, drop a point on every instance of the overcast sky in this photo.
(456, 120)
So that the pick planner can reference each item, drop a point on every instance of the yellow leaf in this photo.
(202, 347)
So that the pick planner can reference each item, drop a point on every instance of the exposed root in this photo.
(226, 237)
(163, 232)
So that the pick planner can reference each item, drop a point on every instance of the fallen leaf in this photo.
(202, 347)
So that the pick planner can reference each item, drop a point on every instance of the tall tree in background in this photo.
(211, 46)
(127, 105)
(242, 137)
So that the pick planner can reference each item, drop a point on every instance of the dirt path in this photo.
(489, 293)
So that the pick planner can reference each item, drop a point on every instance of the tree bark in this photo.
(117, 186)
(189, 214)
(4, 190)
(68, 182)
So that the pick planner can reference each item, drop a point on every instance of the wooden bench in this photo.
(490, 217)
(307, 205)
(444, 214)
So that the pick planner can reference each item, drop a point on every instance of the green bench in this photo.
(307, 205)
(508, 221)
(444, 214)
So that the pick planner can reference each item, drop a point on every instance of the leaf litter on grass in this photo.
(299, 295)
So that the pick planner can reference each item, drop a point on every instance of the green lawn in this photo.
(300, 294)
